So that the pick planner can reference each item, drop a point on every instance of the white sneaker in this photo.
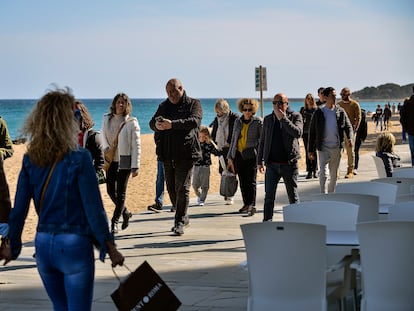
(229, 201)
(201, 203)
(355, 172)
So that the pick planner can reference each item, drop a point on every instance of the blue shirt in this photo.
(72, 202)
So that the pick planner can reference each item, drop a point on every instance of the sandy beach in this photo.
(141, 189)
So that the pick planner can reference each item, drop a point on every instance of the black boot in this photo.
(309, 176)
(126, 215)
(114, 226)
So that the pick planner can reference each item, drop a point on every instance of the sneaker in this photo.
(201, 203)
(355, 172)
(178, 229)
(156, 207)
(251, 211)
(229, 201)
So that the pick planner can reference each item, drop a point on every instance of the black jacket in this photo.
(181, 141)
(94, 146)
(292, 128)
(317, 129)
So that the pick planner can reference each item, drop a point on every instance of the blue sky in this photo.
(101, 47)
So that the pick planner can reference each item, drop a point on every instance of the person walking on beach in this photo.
(279, 152)
(326, 137)
(307, 112)
(242, 155)
(321, 100)
(177, 120)
(387, 117)
(201, 172)
(87, 137)
(377, 117)
(60, 179)
(6, 144)
(222, 131)
(407, 122)
(119, 126)
(360, 137)
(353, 111)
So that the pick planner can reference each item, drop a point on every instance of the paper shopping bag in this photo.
(144, 290)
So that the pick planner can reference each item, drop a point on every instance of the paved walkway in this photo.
(202, 266)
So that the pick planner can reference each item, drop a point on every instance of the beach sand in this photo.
(141, 189)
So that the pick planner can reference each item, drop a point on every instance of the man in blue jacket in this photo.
(177, 120)
(279, 152)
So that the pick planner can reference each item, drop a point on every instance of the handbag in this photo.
(249, 153)
(109, 156)
(228, 184)
(100, 175)
(228, 181)
(110, 153)
(144, 290)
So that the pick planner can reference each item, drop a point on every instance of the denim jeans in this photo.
(289, 173)
(178, 179)
(411, 144)
(67, 267)
(159, 184)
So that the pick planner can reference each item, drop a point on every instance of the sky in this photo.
(101, 47)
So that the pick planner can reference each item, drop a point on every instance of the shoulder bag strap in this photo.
(46, 184)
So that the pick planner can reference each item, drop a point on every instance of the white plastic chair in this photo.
(404, 184)
(379, 164)
(405, 198)
(407, 172)
(387, 257)
(403, 211)
(387, 193)
(286, 266)
(336, 216)
(368, 204)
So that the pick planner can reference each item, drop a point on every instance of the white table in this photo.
(342, 238)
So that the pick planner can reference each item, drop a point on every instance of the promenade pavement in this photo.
(202, 266)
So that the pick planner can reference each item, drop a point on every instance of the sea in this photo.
(15, 111)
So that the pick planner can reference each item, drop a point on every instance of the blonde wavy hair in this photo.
(385, 142)
(51, 127)
(248, 101)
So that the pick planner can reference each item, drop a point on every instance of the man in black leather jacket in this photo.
(279, 152)
(177, 120)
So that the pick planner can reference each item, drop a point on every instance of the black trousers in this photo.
(178, 179)
(247, 173)
(116, 186)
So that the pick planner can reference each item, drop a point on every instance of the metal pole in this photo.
(261, 91)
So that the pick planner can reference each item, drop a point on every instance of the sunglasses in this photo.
(248, 109)
(278, 102)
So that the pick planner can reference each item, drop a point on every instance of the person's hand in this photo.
(165, 124)
(134, 174)
(279, 114)
(261, 168)
(230, 166)
(114, 255)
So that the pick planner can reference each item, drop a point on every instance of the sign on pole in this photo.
(261, 84)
